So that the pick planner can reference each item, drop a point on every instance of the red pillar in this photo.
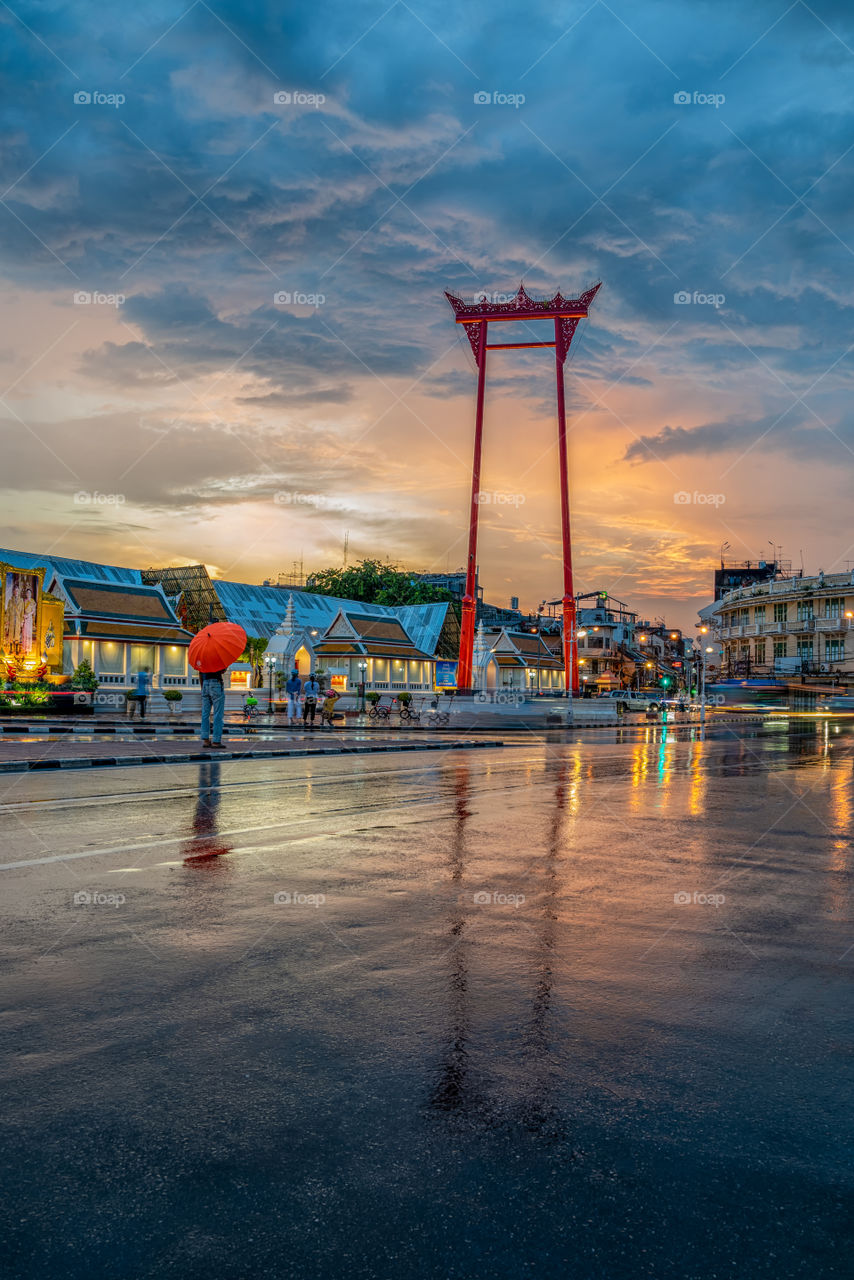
(570, 640)
(464, 669)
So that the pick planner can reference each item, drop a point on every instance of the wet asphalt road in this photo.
(571, 1009)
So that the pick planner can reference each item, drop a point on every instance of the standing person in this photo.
(312, 693)
(213, 702)
(293, 689)
(143, 684)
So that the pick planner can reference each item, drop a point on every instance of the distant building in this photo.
(743, 573)
(522, 661)
(801, 625)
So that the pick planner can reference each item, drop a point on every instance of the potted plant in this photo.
(373, 697)
(173, 697)
(404, 698)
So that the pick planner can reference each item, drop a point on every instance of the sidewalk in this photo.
(23, 757)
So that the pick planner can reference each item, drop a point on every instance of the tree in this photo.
(84, 677)
(253, 653)
(373, 582)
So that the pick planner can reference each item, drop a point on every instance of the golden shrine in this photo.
(31, 625)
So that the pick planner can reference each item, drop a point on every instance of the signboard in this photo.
(446, 675)
(338, 682)
(51, 627)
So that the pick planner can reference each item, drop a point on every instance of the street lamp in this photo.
(270, 662)
(704, 650)
(363, 668)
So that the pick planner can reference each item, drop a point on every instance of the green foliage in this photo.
(404, 699)
(172, 695)
(372, 696)
(374, 582)
(84, 677)
(256, 647)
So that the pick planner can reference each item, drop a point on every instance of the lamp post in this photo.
(363, 670)
(270, 662)
(701, 653)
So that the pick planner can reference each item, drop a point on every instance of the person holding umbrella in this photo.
(212, 650)
(213, 705)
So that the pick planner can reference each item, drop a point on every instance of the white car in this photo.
(634, 699)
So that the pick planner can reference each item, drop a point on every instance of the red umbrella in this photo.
(217, 646)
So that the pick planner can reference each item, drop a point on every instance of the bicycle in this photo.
(250, 713)
(409, 714)
(379, 711)
(438, 719)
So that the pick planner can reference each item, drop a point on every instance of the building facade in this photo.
(789, 626)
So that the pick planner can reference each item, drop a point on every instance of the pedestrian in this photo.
(312, 693)
(327, 709)
(293, 689)
(213, 704)
(143, 684)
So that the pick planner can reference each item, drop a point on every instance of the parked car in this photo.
(634, 699)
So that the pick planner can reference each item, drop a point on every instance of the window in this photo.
(760, 652)
(780, 611)
(834, 649)
(805, 650)
(111, 658)
(805, 611)
(834, 607)
(141, 655)
(743, 617)
(779, 648)
(759, 613)
(172, 660)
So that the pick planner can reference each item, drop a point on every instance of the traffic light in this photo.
(665, 681)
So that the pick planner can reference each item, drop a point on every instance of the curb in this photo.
(194, 757)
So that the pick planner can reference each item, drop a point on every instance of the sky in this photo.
(227, 229)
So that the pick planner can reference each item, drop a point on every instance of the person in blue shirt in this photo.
(293, 689)
(312, 693)
(143, 685)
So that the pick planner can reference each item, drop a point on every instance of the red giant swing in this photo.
(477, 316)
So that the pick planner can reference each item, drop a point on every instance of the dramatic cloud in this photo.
(227, 230)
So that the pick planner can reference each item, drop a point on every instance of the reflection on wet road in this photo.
(576, 1008)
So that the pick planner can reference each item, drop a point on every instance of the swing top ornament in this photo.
(523, 307)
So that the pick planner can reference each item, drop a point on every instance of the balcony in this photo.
(833, 624)
(802, 626)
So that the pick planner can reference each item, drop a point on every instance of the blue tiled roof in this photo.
(259, 610)
(67, 568)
